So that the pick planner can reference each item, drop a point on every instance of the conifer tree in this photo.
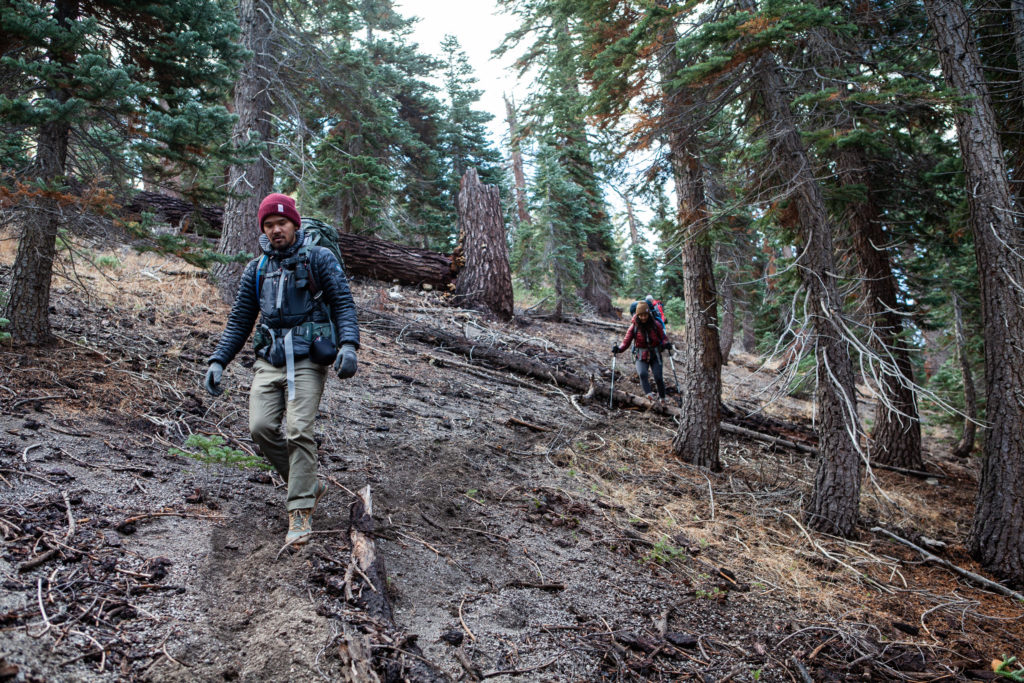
(143, 84)
(556, 112)
(463, 138)
(249, 179)
(545, 251)
(997, 536)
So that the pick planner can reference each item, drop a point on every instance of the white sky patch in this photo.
(479, 28)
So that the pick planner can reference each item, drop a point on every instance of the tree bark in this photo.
(517, 162)
(248, 182)
(28, 306)
(381, 260)
(997, 536)
(697, 440)
(485, 277)
(966, 445)
(833, 505)
(897, 434)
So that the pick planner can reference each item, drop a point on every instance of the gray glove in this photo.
(213, 376)
(345, 363)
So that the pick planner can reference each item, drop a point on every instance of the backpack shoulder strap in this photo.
(314, 286)
(261, 270)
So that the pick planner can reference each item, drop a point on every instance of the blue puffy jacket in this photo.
(287, 303)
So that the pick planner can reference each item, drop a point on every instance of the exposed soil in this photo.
(525, 538)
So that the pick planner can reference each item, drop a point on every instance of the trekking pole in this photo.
(611, 393)
(672, 362)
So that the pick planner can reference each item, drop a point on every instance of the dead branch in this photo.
(980, 580)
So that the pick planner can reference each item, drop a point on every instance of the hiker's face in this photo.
(280, 231)
(643, 316)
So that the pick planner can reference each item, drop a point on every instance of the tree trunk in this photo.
(1017, 21)
(28, 306)
(634, 247)
(29, 302)
(833, 505)
(897, 434)
(697, 440)
(997, 537)
(364, 256)
(381, 260)
(248, 182)
(966, 445)
(485, 277)
(517, 162)
(749, 334)
(728, 327)
(597, 280)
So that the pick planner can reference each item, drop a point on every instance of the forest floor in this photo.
(526, 536)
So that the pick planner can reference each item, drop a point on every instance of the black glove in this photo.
(616, 349)
(213, 376)
(345, 363)
(667, 346)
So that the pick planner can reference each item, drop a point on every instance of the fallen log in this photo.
(366, 586)
(364, 256)
(173, 209)
(523, 364)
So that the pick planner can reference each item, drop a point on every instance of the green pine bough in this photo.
(212, 451)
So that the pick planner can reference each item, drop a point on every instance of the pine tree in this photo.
(137, 89)
(464, 141)
(556, 113)
(997, 536)
(545, 251)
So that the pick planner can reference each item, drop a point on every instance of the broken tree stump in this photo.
(485, 276)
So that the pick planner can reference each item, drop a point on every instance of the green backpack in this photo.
(321, 234)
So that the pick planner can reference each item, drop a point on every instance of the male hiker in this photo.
(648, 339)
(307, 316)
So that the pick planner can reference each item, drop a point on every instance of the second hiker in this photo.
(308, 322)
(649, 340)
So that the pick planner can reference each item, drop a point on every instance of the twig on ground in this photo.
(463, 622)
(981, 580)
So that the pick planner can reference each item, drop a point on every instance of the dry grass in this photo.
(747, 520)
(126, 279)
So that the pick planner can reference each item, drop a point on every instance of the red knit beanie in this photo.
(279, 205)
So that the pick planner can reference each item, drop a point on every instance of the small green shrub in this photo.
(107, 261)
(1004, 669)
(211, 450)
(664, 552)
(4, 322)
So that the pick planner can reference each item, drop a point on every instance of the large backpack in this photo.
(321, 234)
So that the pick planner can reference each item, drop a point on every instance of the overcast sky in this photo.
(480, 28)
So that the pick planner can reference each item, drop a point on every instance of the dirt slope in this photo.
(525, 537)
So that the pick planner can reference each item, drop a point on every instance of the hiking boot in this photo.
(321, 491)
(652, 396)
(300, 526)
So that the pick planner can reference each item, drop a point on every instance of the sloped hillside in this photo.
(525, 532)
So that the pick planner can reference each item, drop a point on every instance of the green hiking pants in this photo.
(283, 429)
